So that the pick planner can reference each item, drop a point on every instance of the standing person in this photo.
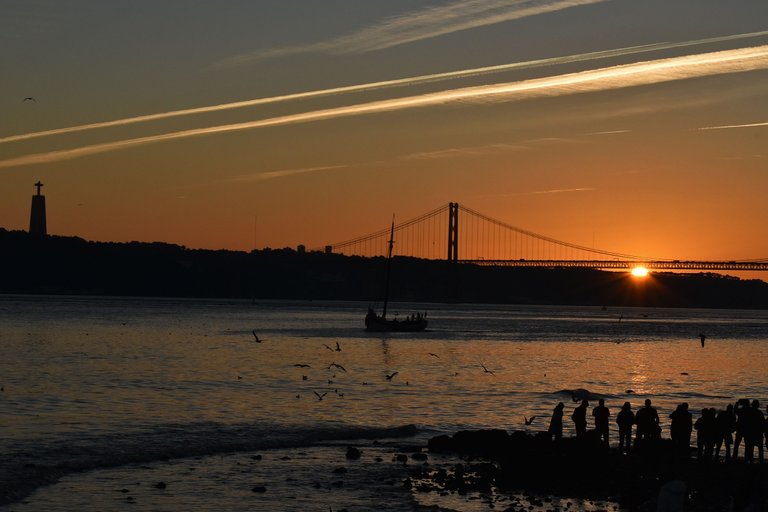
(754, 428)
(625, 419)
(601, 414)
(726, 425)
(742, 406)
(647, 420)
(681, 428)
(706, 434)
(579, 418)
(556, 423)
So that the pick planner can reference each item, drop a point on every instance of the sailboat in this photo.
(376, 323)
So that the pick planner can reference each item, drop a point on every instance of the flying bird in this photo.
(29, 98)
(329, 348)
(255, 337)
(334, 365)
(702, 337)
(389, 377)
(338, 348)
(299, 365)
(486, 370)
(434, 355)
(529, 421)
(319, 396)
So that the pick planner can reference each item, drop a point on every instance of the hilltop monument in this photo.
(37, 224)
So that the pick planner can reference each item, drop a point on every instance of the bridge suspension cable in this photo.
(550, 240)
(473, 237)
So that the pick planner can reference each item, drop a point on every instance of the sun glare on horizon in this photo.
(640, 272)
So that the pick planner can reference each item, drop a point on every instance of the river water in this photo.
(104, 398)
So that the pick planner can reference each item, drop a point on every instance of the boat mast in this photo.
(389, 266)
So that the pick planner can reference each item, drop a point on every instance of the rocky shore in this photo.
(494, 461)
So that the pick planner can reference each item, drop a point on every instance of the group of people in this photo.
(713, 429)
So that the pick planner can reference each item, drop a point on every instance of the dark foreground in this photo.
(497, 462)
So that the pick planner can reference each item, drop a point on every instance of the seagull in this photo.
(256, 338)
(338, 348)
(319, 396)
(389, 377)
(702, 337)
(299, 365)
(486, 370)
(29, 98)
(332, 365)
(329, 348)
(434, 355)
(529, 421)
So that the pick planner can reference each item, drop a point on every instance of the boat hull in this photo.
(375, 323)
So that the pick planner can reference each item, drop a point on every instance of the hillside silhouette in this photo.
(71, 265)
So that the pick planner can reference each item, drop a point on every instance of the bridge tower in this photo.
(453, 232)
(37, 225)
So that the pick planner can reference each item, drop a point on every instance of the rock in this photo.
(419, 456)
(401, 457)
(160, 485)
(259, 488)
(441, 444)
(340, 470)
(256, 457)
(353, 453)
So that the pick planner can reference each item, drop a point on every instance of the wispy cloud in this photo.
(730, 126)
(609, 132)
(269, 175)
(615, 77)
(383, 84)
(427, 23)
(465, 151)
(562, 190)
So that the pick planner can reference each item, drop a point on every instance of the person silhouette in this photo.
(556, 423)
(601, 414)
(647, 421)
(579, 418)
(742, 406)
(726, 425)
(706, 434)
(754, 429)
(625, 419)
(680, 429)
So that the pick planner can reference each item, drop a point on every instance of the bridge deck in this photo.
(627, 265)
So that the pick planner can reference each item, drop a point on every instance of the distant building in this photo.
(328, 249)
(37, 224)
(301, 249)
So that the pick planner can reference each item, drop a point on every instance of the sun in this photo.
(640, 272)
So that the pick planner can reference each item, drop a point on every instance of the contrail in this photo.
(726, 127)
(399, 82)
(426, 23)
(615, 77)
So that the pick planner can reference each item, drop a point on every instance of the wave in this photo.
(27, 465)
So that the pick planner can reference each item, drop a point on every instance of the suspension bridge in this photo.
(483, 240)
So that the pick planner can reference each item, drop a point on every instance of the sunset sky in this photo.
(638, 127)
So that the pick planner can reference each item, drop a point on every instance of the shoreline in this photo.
(586, 468)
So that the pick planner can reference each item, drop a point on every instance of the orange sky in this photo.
(591, 128)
